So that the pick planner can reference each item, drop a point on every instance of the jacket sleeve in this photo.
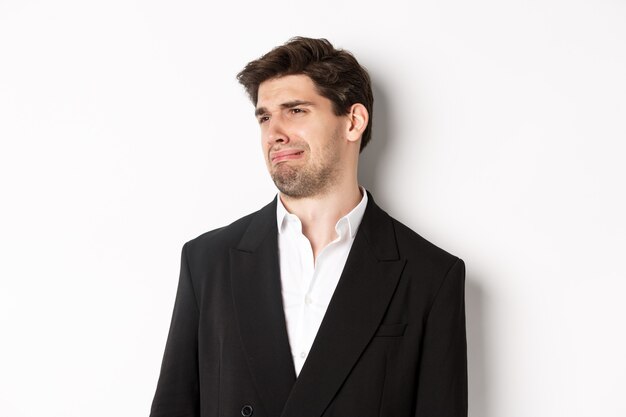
(442, 380)
(177, 392)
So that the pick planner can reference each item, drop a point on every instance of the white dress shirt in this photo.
(308, 285)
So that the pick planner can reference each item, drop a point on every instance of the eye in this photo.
(263, 119)
(297, 110)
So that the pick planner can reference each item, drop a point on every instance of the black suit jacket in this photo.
(392, 342)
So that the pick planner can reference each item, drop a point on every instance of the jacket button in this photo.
(246, 411)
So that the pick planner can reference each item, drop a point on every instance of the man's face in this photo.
(303, 140)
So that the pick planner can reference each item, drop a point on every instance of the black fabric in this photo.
(392, 342)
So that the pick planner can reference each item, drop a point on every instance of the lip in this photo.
(285, 155)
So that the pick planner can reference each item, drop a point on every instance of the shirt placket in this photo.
(307, 281)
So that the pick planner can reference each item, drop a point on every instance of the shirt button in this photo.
(302, 355)
(307, 300)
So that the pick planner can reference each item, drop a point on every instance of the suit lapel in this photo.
(255, 276)
(356, 309)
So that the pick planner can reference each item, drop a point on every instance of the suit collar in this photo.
(376, 225)
(258, 229)
(356, 309)
(358, 305)
(377, 228)
(255, 280)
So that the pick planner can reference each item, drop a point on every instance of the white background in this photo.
(499, 135)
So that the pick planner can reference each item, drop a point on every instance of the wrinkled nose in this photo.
(276, 132)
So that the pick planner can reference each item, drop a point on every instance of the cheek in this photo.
(265, 144)
(265, 148)
(324, 139)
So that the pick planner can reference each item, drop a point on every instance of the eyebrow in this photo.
(287, 105)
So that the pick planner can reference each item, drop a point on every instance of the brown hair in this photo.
(336, 74)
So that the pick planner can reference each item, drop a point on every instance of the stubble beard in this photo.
(311, 179)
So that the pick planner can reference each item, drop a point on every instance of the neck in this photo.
(319, 214)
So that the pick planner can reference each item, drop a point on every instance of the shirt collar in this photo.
(353, 218)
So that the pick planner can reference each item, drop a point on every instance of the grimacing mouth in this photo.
(282, 153)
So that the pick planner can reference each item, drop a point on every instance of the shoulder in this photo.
(413, 245)
(222, 239)
(428, 267)
(419, 252)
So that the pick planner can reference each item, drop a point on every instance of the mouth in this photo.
(286, 155)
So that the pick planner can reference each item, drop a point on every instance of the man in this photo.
(319, 304)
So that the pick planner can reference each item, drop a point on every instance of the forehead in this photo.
(287, 88)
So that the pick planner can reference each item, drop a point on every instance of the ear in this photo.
(358, 118)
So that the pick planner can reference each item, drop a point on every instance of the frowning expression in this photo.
(303, 139)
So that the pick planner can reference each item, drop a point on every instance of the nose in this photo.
(276, 132)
